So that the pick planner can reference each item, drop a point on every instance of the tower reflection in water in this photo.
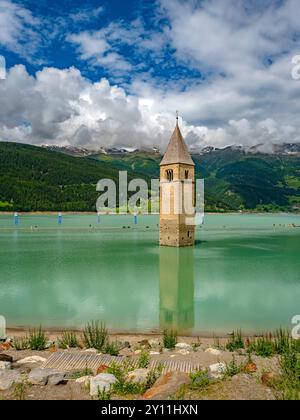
(177, 289)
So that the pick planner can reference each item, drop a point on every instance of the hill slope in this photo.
(33, 178)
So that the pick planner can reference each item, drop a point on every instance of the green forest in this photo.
(36, 179)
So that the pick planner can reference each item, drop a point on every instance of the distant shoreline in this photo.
(78, 213)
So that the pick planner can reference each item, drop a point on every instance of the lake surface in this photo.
(244, 273)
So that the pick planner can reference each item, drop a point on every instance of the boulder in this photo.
(183, 346)
(90, 350)
(184, 352)
(268, 378)
(31, 359)
(250, 368)
(5, 358)
(123, 344)
(5, 346)
(84, 380)
(5, 365)
(126, 352)
(167, 385)
(57, 378)
(101, 369)
(49, 344)
(101, 382)
(214, 352)
(8, 378)
(43, 376)
(217, 370)
(138, 376)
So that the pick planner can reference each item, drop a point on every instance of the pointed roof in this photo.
(177, 151)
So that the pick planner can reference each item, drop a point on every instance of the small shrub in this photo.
(217, 343)
(37, 339)
(200, 379)
(120, 371)
(153, 375)
(282, 341)
(21, 343)
(68, 340)
(262, 346)
(296, 345)
(126, 387)
(232, 369)
(20, 389)
(144, 360)
(289, 385)
(95, 335)
(112, 348)
(104, 395)
(170, 339)
(195, 346)
(76, 374)
(236, 341)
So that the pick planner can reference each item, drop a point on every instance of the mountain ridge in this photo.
(37, 179)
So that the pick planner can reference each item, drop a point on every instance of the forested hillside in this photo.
(36, 179)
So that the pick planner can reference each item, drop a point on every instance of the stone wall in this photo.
(174, 234)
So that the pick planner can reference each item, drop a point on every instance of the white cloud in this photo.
(61, 107)
(246, 96)
(86, 14)
(95, 48)
(17, 29)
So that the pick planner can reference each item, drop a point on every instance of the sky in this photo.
(112, 73)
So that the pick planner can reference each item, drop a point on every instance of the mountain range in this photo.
(53, 178)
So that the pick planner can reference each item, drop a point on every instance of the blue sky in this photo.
(107, 72)
(57, 22)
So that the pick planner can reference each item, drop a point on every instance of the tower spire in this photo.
(177, 116)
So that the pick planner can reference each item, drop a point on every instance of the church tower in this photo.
(177, 194)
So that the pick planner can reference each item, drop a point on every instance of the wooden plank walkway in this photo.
(78, 360)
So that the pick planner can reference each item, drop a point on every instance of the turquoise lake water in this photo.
(244, 272)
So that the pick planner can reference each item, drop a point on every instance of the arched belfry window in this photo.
(169, 173)
(186, 174)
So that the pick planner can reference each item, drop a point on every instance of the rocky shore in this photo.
(142, 369)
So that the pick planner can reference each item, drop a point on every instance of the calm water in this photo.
(243, 272)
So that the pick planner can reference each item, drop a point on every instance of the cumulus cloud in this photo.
(18, 29)
(245, 96)
(62, 107)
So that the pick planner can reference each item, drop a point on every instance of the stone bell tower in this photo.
(177, 194)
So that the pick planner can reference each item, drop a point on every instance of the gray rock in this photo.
(123, 345)
(84, 380)
(43, 376)
(138, 376)
(101, 382)
(126, 352)
(31, 359)
(8, 378)
(214, 352)
(56, 378)
(217, 370)
(5, 365)
(183, 346)
(5, 358)
(49, 344)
